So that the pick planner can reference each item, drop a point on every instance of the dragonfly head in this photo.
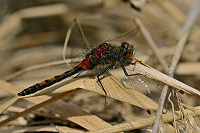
(127, 50)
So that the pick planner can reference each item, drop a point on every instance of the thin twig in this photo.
(10, 77)
(151, 43)
(175, 59)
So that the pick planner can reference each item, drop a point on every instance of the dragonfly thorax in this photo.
(107, 53)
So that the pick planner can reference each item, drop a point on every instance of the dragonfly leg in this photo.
(132, 63)
(100, 73)
(124, 69)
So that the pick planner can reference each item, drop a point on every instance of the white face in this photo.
(133, 51)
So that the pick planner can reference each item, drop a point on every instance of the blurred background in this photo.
(32, 32)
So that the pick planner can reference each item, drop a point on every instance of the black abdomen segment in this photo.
(46, 83)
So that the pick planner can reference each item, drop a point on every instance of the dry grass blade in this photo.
(154, 74)
(41, 129)
(10, 88)
(7, 104)
(151, 43)
(146, 122)
(77, 115)
(38, 106)
(71, 112)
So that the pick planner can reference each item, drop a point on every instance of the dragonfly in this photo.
(99, 61)
(106, 53)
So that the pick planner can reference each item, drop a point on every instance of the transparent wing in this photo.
(128, 89)
(78, 45)
(89, 33)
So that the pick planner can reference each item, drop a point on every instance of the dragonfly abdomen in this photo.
(47, 83)
(104, 54)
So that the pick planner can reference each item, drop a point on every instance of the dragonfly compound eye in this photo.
(124, 45)
(127, 49)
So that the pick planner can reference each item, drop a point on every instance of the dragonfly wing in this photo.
(78, 45)
(115, 89)
(141, 83)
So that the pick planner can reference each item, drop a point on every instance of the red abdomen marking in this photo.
(46, 83)
(85, 64)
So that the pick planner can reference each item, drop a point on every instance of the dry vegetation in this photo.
(32, 35)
